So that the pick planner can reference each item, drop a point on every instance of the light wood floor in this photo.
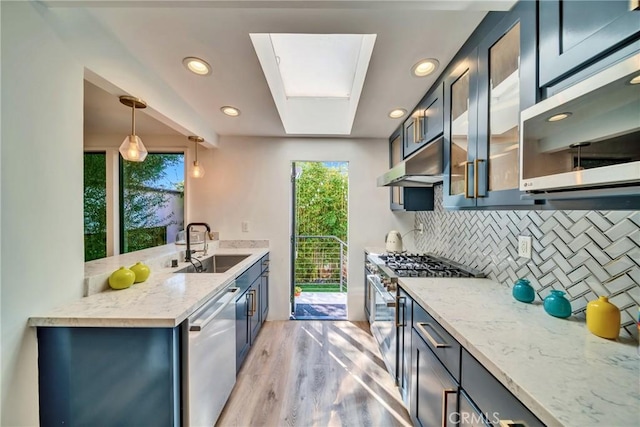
(314, 373)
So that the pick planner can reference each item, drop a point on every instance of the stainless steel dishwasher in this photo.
(209, 360)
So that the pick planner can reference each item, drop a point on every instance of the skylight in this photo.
(315, 79)
(317, 65)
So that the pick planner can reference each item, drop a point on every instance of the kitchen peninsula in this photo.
(145, 354)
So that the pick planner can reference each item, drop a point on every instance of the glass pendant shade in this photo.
(132, 149)
(197, 171)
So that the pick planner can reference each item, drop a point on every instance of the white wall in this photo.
(41, 176)
(248, 179)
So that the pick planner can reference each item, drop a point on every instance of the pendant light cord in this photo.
(133, 119)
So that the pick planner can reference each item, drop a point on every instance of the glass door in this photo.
(504, 111)
(461, 133)
(506, 86)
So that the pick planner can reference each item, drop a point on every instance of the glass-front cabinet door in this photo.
(460, 132)
(504, 111)
(507, 85)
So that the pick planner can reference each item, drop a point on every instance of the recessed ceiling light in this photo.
(558, 117)
(230, 111)
(397, 113)
(635, 80)
(197, 65)
(425, 67)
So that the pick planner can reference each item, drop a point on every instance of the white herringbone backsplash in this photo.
(584, 253)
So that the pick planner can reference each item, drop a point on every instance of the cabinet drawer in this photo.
(249, 276)
(264, 263)
(444, 346)
(492, 397)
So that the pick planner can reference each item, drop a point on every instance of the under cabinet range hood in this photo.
(422, 169)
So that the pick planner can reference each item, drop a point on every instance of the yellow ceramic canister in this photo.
(603, 318)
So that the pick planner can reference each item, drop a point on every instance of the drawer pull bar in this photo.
(422, 327)
(510, 423)
(445, 415)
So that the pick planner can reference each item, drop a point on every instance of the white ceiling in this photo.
(160, 34)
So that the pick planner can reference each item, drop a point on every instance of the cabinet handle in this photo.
(249, 305)
(400, 303)
(466, 181)
(476, 163)
(510, 423)
(436, 344)
(445, 393)
(253, 302)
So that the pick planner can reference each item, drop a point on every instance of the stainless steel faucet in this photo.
(187, 255)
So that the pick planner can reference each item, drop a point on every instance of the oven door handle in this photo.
(381, 292)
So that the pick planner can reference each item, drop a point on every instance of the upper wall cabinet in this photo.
(483, 98)
(407, 198)
(426, 122)
(574, 33)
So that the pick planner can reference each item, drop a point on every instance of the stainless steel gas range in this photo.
(383, 303)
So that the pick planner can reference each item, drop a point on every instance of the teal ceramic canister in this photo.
(557, 305)
(523, 291)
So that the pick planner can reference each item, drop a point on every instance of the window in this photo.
(95, 205)
(152, 201)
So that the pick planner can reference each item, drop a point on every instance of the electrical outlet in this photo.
(524, 246)
(420, 228)
(245, 226)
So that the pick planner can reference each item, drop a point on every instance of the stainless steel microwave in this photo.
(585, 136)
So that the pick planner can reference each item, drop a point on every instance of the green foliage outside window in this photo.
(143, 198)
(145, 192)
(95, 206)
(321, 210)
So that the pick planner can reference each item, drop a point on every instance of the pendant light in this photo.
(197, 171)
(132, 148)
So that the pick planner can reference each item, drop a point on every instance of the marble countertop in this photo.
(164, 300)
(556, 367)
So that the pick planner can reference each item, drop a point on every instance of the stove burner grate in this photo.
(410, 265)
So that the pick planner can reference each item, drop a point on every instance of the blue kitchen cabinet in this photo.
(254, 298)
(574, 34)
(492, 398)
(484, 94)
(425, 123)
(448, 385)
(243, 337)
(252, 307)
(109, 376)
(264, 289)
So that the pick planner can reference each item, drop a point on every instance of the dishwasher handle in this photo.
(224, 300)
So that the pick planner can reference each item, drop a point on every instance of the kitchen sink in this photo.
(215, 264)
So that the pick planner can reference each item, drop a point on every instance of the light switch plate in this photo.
(524, 246)
(245, 226)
